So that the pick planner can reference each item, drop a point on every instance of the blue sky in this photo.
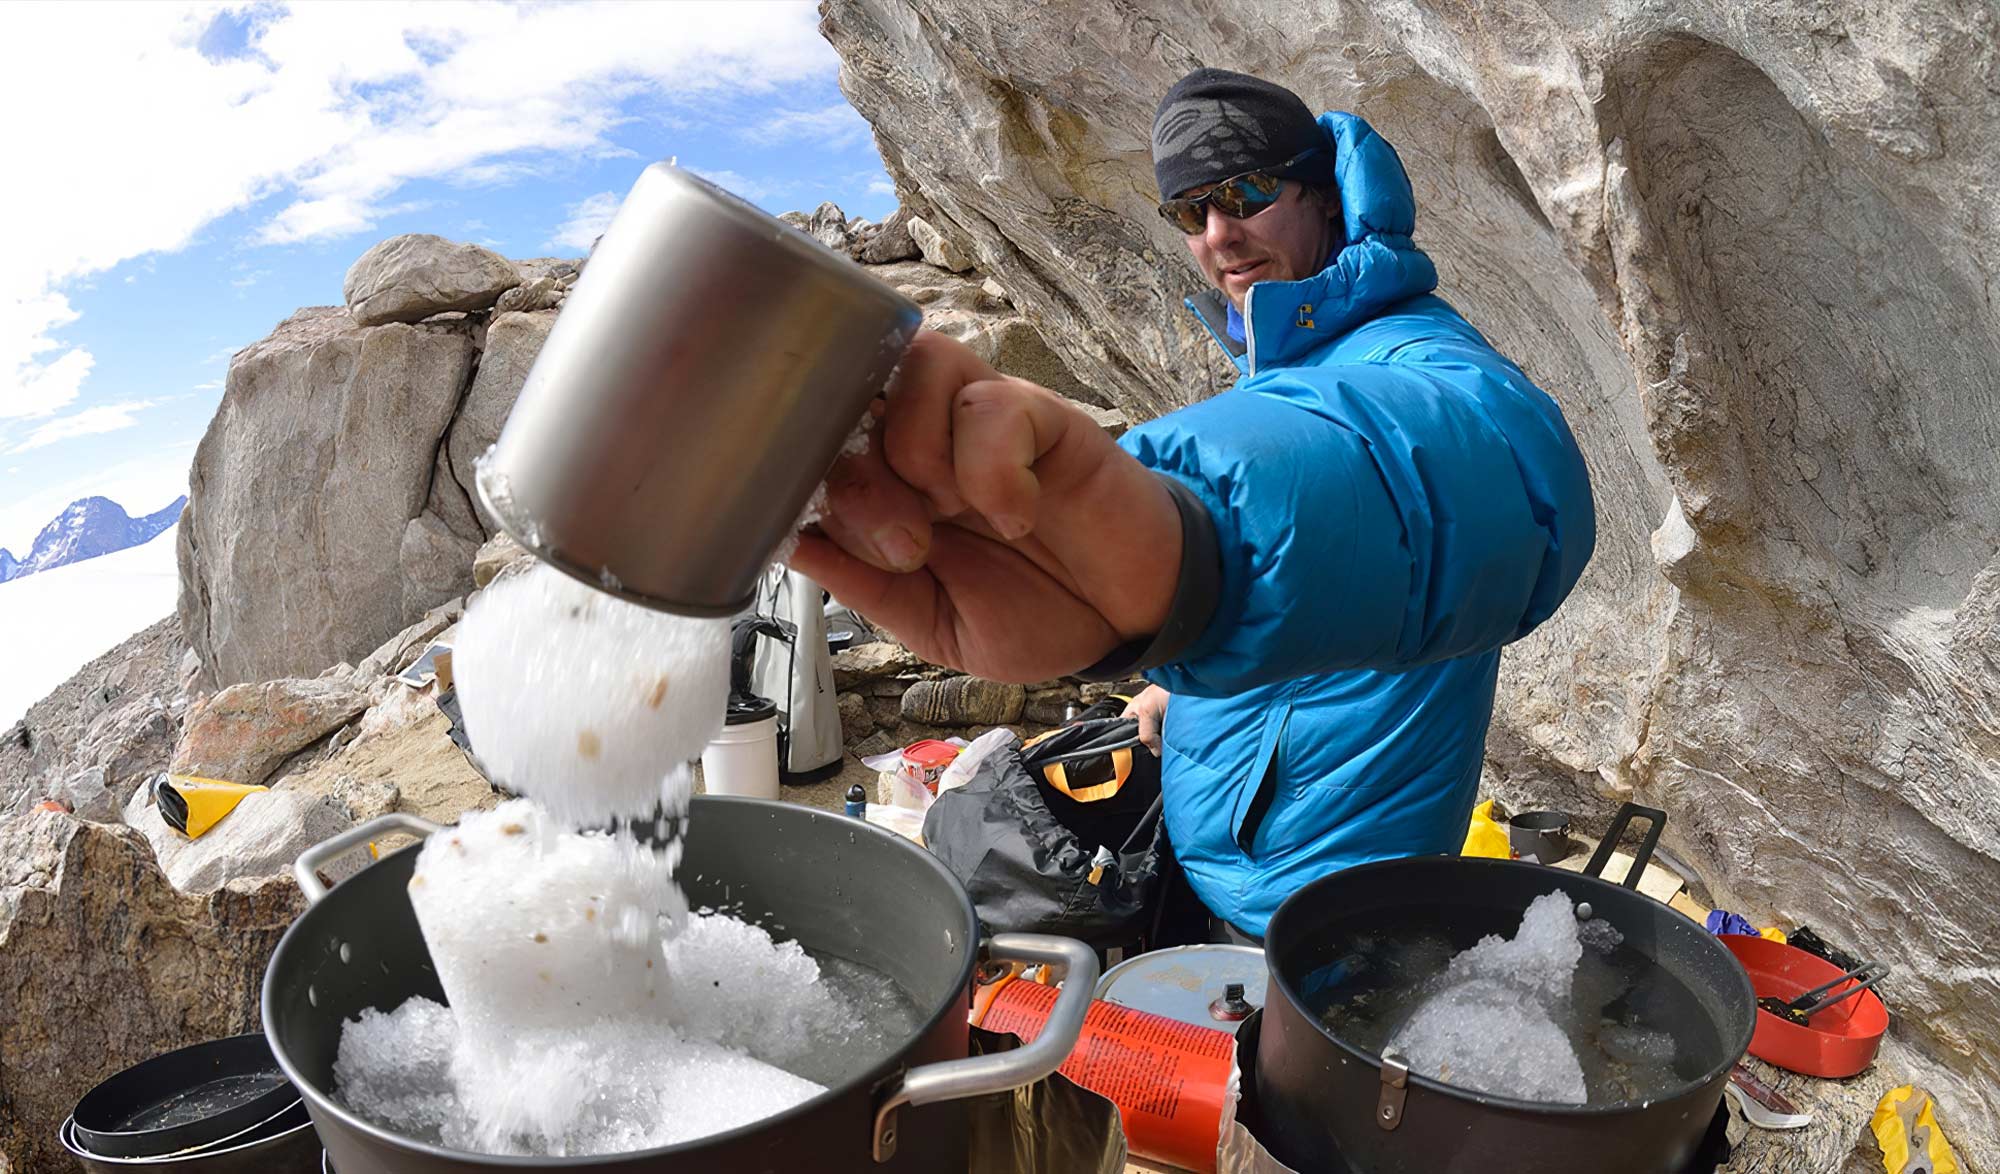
(200, 171)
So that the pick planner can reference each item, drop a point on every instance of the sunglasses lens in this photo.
(1246, 195)
(1186, 215)
(1237, 198)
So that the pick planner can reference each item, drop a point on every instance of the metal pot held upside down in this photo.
(836, 885)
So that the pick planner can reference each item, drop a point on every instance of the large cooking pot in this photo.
(836, 885)
(1329, 1106)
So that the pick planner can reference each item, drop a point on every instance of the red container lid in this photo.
(1841, 1040)
(930, 754)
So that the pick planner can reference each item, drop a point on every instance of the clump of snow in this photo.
(591, 705)
(531, 926)
(1491, 1024)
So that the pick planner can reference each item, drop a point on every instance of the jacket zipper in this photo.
(1250, 328)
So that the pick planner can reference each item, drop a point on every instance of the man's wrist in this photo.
(1197, 591)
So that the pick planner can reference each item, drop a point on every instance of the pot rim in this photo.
(1736, 1039)
(873, 1079)
(66, 1134)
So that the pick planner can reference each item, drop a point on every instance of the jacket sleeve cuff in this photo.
(1195, 596)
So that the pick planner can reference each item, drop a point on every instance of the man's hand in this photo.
(1150, 707)
(993, 527)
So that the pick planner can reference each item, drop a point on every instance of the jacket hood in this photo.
(1376, 267)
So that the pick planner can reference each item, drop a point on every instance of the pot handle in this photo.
(974, 1076)
(1656, 822)
(306, 868)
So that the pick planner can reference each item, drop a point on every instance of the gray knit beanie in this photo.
(1214, 124)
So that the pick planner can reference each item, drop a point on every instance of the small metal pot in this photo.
(283, 1144)
(191, 1097)
(702, 378)
(834, 884)
(1539, 837)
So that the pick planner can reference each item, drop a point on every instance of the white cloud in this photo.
(88, 422)
(881, 187)
(330, 108)
(587, 221)
(211, 385)
(32, 385)
(835, 126)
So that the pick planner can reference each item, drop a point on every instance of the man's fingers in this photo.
(900, 603)
(1149, 730)
(874, 515)
(916, 431)
(1000, 428)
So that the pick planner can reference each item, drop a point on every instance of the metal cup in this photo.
(700, 382)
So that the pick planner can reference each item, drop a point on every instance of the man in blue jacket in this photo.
(1320, 565)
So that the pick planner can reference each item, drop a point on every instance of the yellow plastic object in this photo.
(1772, 933)
(1486, 837)
(1905, 1126)
(208, 800)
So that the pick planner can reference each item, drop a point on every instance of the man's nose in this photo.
(1220, 232)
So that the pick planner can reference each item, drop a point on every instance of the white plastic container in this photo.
(743, 758)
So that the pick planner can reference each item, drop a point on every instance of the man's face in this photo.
(1287, 241)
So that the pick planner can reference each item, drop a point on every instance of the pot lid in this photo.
(1190, 983)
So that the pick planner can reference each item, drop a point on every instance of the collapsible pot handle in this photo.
(975, 1076)
(306, 869)
(1656, 822)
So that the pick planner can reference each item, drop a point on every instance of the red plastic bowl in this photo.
(1842, 1038)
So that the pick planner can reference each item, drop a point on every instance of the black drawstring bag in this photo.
(1062, 835)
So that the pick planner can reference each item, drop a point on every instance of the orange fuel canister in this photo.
(1169, 1079)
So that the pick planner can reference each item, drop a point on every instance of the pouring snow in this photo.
(590, 705)
(567, 1032)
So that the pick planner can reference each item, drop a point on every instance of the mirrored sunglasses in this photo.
(1238, 197)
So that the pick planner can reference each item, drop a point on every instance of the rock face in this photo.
(105, 964)
(245, 732)
(325, 450)
(260, 837)
(100, 733)
(512, 342)
(408, 278)
(1752, 252)
(967, 311)
(887, 241)
(937, 248)
(828, 226)
(963, 701)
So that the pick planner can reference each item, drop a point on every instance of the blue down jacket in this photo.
(1394, 501)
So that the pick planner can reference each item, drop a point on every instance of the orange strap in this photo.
(1121, 769)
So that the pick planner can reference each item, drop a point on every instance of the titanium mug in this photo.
(702, 378)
